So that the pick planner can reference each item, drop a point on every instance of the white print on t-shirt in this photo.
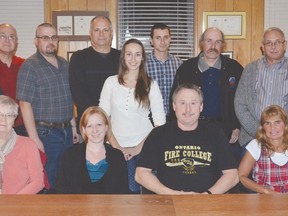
(187, 157)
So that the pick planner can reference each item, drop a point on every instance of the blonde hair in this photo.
(268, 112)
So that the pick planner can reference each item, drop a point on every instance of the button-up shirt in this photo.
(163, 73)
(271, 84)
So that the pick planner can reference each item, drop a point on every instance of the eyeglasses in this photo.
(9, 37)
(8, 116)
(276, 43)
(46, 38)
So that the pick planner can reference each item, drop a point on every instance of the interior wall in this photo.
(244, 50)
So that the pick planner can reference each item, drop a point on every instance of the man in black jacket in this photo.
(218, 77)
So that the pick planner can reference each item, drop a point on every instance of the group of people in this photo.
(154, 124)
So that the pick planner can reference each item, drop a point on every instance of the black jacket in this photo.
(189, 72)
(73, 177)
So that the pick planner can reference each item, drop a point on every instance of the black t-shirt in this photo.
(187, 160)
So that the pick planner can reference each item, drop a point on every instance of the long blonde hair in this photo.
(268, 112)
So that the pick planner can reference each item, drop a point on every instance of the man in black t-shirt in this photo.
(189, 156)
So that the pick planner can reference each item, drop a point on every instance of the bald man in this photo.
(9, 67)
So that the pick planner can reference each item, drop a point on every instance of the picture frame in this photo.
(74, 25)
(233, 24)
(69, 54)
(229, 54)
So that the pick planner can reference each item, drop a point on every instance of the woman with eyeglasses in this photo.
(21, 170)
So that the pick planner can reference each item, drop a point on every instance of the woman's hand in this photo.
(131, 151)
(234, 136)
(75, 135)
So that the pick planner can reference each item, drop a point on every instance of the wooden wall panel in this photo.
(97, 5)
(257, 23)
(77, 5)
(242, 46)
(244, 50)
(224, 5)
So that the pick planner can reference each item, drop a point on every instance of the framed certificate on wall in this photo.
(74, 25)
(233, 24)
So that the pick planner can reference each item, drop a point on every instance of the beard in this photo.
(51, 49)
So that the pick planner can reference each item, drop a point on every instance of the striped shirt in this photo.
(163, 73)
(271, 85)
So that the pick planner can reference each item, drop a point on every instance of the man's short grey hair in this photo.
(101, 17)
(188, 86)
(46, 25)
(273, 29)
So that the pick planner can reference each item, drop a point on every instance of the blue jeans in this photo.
(131, 165)
(55, 141)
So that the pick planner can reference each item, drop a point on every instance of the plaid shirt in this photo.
(163, 73)
(269, 174)
(46, 88)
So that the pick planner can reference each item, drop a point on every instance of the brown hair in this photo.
(143, 82)
(85, 117)
(268, 112)
(161, 26)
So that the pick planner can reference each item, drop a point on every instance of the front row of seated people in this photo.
(185, 156)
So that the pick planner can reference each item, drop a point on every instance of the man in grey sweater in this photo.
(263, 82)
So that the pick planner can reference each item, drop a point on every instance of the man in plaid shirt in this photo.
(161, 65)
